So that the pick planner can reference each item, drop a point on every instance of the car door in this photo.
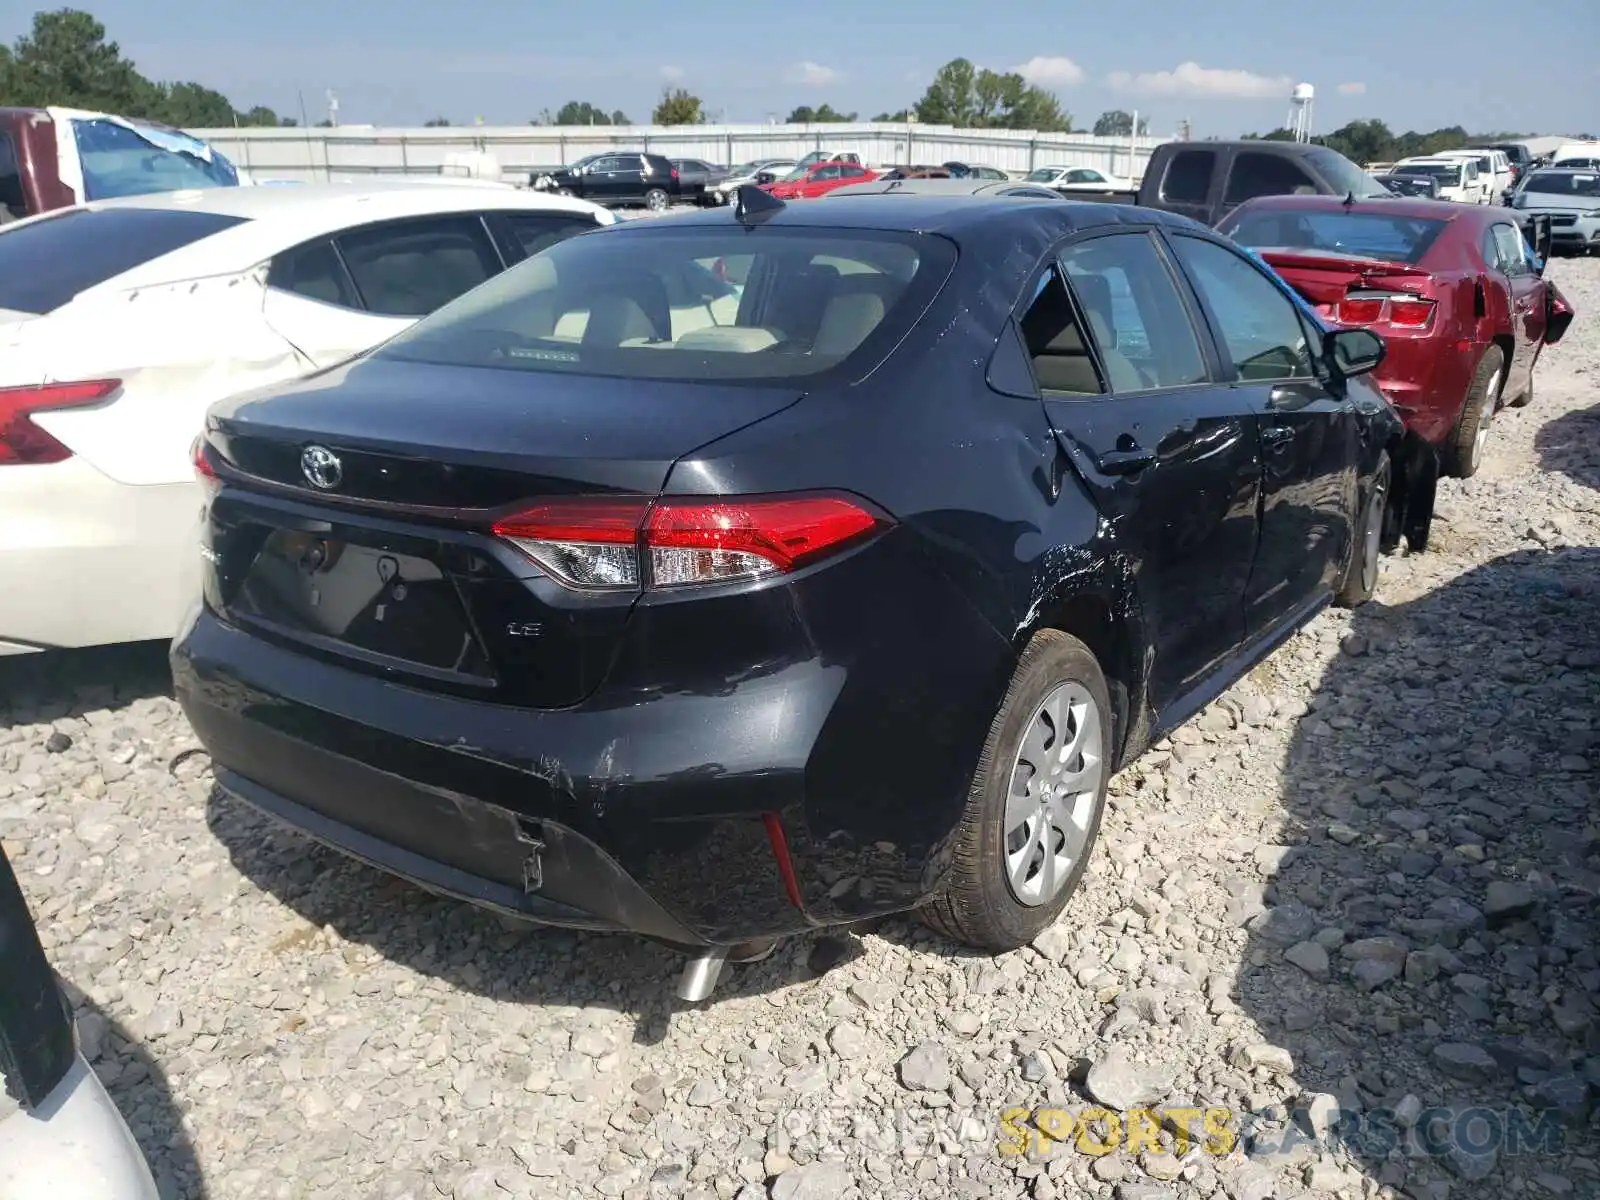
(821, 179)
(1512, 263)
(1309, 433)
(337, 297)
(1170, 456)
(607, 180)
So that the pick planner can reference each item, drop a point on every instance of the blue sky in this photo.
(1226, 66)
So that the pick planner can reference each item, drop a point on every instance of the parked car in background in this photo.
(1455, 292)
(1075, 179)
(884, 186)
(61, 1136)
(121, 321)
(807, 183)
(1207, 180)
(1403, 183)
(1571, 199)
(696, 178)
(606, 558)
(1581, 156)
(1494, 170)
(52, 158)
(749, 173)
(1460, 181)
(961, 170)
(1520, 157)
(617, 179)
(914, 172)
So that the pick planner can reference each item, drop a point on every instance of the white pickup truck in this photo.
(1459, 178)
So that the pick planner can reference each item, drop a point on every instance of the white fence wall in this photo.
(318, 154)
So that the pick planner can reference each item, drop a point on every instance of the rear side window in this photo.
(1134, 313)
(1265, 175)
(410, 268)
(711, 303)
(11, 197)
(534, 231)
(315, 272)
(1188, 177)
(45, 263)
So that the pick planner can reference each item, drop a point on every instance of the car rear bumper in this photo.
(74, 1146)
(1426, 379)
(671, 813)
(89, 561)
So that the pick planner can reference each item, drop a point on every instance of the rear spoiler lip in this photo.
(1337, 262)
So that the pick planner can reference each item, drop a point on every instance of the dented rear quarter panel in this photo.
(33, 137)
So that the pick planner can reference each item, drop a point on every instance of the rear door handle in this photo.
(1124, 462)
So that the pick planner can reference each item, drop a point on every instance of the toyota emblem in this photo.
(321, 467)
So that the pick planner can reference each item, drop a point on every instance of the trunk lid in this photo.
(1358, 291)
(393, 567)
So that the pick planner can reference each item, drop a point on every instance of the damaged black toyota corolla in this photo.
(726, 577)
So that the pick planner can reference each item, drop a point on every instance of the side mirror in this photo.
(1353, 351)
(765, 177)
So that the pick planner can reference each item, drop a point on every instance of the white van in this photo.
(1459, 178)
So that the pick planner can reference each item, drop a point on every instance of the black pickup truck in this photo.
(1207, 180)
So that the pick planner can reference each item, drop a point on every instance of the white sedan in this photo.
(122, 321)
(1077, 179)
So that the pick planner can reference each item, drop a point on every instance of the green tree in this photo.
(1362, 141)
(436, 123)
(581, 112)
(972, 98)
(66, 60)
(1118, 123)
(902, 116)
(826, 114)
(678, 106)
(261, 115)
(191, 106)
(1280, 134)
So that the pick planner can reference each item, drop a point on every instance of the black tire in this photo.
(1361, 575)
(565, 192)
(1525, 399)
(977, 906)
(657, 200)
(1466, 454)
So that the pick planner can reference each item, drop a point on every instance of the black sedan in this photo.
(777, 567)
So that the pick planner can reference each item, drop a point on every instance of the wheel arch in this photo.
(1106, 617)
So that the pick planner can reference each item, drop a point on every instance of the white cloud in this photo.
(1048, 71)
(1191, 79)
(812, 74)
(1352, 89)
(672, 74)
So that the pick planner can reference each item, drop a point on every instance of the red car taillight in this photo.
(1397, 309)
(674, 172)
(24, 443)
(203, 470)
(604, 543)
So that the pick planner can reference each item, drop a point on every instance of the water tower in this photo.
(1300, 104)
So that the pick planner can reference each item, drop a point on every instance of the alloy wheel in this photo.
(1485, 418)
(1055, 785)
(1372, 536)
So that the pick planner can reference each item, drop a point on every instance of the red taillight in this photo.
(674, 172)
(605, 543)
(23, 442)
(201, 461)
(1400, 310)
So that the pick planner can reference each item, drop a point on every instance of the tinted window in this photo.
(1056, 347)
(1342, 175)
(117, 161)
(315, 272)
(410, 268)
(806, 301)
(535, 231)
(46, 263)
(11, 197)
(1448, 174)
(1255, 174)
(1134, 313)
(613, 162)
(1188, 178)
(1255, 321)
(1357, 234)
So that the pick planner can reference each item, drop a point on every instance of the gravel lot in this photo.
(1366, 883)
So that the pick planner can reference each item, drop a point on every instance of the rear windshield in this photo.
(1446, 172)
(1564, 183)
(1383, 236)
(45, 263)
(713, 304)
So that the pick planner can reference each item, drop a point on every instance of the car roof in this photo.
(275, 218)
(1396, 206)
(944, 187)
(962, 216)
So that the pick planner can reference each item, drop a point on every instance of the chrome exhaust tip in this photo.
(701, 972)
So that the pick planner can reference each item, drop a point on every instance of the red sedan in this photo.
(806, 183)
(1453, 289)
